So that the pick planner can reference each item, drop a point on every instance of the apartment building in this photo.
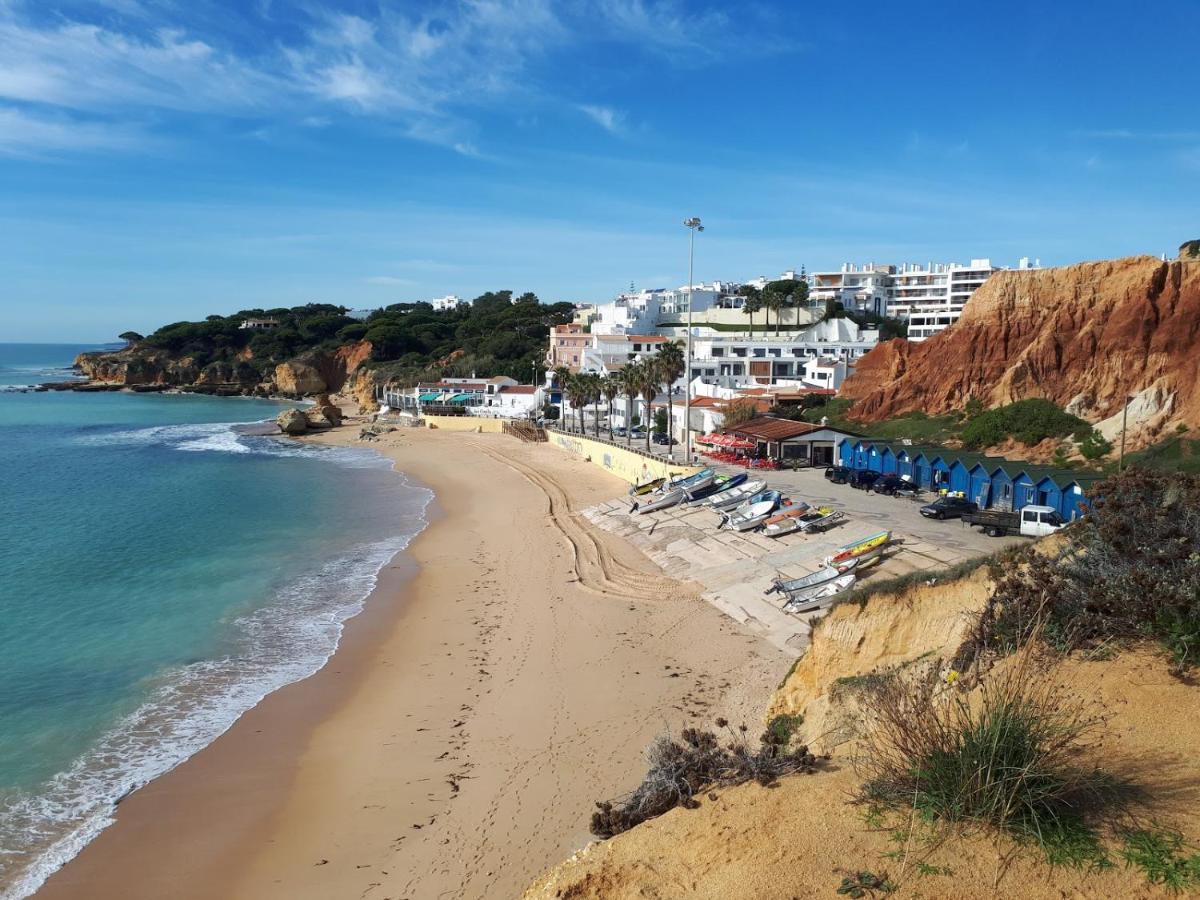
(859, 288)
(447, 303)
(818, 356)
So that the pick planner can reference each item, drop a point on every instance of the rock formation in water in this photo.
(142, 368)
(1086, 337)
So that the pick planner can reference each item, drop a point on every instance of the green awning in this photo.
(460, 398)
(427, 398)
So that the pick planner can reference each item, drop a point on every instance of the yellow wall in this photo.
(632, 467)
(465, 423)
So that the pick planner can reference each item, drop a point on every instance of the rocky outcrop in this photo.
(323, 414)
(139, 366)
(320, 372)
(1088, 335)
(292, 421)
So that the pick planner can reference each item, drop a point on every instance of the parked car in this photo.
(949, 508)
(838, 474)
(619, 431)
(1031, 521)
(864, 480)
(889, 484)
(663, 438)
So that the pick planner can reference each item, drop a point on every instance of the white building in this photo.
(447, 303)
(730, 359)
(858, 288)
(499, 397)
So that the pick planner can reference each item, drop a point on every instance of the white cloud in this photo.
(388, 281)
(1126, 134)
(606, 117)
(666, 26)
(25, 134)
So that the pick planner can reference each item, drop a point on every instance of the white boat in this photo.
(829, 573)
(736, 495)
(750, 516)
(813, 520)
(815, 598)
(662, 501)
(699, 485)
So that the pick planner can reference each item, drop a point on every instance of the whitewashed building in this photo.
(447, 303)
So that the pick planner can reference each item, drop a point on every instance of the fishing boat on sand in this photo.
(820, 596)
(831, 588)
(810, 520)
(749, 515)
(872, 545)
(639, 490)
(738, 495)
(660, 501)
(718, 484)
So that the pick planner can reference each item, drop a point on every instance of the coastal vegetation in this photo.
(1128, 571)
(699, 761)
(496, 334)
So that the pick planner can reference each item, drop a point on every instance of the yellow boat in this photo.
(860, 548)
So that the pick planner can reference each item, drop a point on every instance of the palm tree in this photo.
(612, 388)
(670, 366)
(773, 301)
(561, 377)
(631, 385)
(595, 389)
(753, 302)
(578, 393)
(648, 382)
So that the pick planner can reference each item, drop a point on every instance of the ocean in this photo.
(162, 568)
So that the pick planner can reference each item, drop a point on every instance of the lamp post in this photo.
(693, 225)
(1124, 424)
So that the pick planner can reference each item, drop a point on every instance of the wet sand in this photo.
(509, 670)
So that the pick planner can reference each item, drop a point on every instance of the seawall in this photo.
(626, 464)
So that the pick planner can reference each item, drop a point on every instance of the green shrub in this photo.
(1129, 570)
(1006, 759)
(1094, 445)
(1027, 421)
(1163, 857)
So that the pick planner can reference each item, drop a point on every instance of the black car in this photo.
(865, 479)
(889, 484)
(838, 474)
(949, 508)
(661, 438)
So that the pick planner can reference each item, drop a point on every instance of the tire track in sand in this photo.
(593, 563)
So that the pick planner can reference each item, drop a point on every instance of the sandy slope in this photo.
(454, 746)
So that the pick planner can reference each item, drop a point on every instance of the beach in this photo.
(508, 671)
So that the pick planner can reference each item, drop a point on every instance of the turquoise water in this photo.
(162, 568)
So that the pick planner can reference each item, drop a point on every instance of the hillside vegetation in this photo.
(494, 335)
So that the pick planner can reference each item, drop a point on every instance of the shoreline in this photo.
(284, 831)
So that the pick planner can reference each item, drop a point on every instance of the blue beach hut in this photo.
(979, 485)
(922, 470)
(959, 477)
(861, 452)
(940, 470)
(887, 461)
(904, 464)
(874, 457)
(1046, 492)
(846, 453)
(1002, 489)
(1023, 490)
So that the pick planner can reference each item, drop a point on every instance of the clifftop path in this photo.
(1084, 336)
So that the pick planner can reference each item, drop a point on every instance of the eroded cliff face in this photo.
(312, 373)
(1085, 337)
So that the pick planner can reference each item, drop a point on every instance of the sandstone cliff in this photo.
(799, 838)
(313, 373)
(1085, 337)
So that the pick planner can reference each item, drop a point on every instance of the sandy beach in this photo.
(509, 671)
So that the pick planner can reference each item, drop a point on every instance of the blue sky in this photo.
(164, 159)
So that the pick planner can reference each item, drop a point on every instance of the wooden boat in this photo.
(639, 490)
(661, 501)
(794, 585)
(822, 595)
(812, 520)
(690, 481)
(749, 516)
(723, 483)
(859, 548)
(700, 485)
(737, 495)
(788, 511)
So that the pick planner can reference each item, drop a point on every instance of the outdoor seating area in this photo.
(733, 450)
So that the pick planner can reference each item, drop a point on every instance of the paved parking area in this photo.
(735, 568)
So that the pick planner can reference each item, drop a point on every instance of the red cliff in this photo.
(1083, 336)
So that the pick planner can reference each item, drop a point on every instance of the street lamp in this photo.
(693, 225)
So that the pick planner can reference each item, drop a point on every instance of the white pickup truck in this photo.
(1031, 521)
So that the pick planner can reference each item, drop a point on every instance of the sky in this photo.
(164, 160)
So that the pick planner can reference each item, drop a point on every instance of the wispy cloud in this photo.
(388, 281)
(1126, 134)
(25, 134)
(425, 73)
(611, 120)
